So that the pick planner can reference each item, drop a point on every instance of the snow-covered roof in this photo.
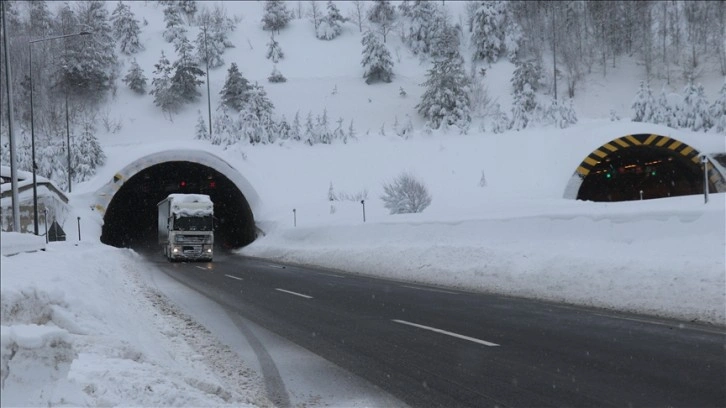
(191, 205)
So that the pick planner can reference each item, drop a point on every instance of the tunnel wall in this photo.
(105, 194)
(642, 140)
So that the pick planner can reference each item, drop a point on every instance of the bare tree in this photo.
(315, 14)
(358, 13)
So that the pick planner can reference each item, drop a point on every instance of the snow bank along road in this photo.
(437, 347)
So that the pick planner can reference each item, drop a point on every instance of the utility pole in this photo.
(209, 103)
(11, 133)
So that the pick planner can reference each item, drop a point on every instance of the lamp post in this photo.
(32, 126)
(209, 100)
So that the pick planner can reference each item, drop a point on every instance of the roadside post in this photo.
(79, 229)
(294, 217)
(364, 209)
(45, 211)
(704, 160)
(641, 195)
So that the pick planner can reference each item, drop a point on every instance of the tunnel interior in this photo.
(131, 217)
(657, 172)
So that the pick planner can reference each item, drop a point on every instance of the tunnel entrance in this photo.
(643, 166)
(131, 217)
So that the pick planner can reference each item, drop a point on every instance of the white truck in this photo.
(186, 227)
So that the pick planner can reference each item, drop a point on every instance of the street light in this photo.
(32, 125)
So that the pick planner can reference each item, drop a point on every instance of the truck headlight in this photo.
(209, 250)
(175, 250)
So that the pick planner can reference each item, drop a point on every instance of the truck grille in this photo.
(192, 239)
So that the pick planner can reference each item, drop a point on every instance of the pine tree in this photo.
(718, 110)
(259, 104)
(377, 63)
(331, 25)
(87, 154)
(446, 99)
(523, 107)
(201, 131)
(235, 92)
(209, 49)
(41, 18)
(174, 24)
(295, 128)
(135, 79)
(383, 16)
(188, 7)
(526, 72)
(488, 35)
(309, 135)
(89, 66)
(422, 26)
(561, 115)
(643, 105)
(126, 29)
(162, 86)
(274, 52)
(500, 120)
(186, 72)
(276, 15)
(283, 129)
(695, 114)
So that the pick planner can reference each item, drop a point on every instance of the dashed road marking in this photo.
(294, 293)
(459, 336)
(234, 277)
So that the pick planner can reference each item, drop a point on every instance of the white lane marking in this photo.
(331, 274)
(201, 267)
(294, 293)
(233, 277)
(460, 336)
(430, 289)
(276, 266)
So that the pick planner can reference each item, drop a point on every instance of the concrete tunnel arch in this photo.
(658, 165)
(128, 202)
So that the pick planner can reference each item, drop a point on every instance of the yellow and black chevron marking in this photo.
(655, 141)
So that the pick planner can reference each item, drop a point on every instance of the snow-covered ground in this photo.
(108, 330)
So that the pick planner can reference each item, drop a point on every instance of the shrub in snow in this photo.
(559, 114)
(500, 120)
(201, 132)
(276, 76)
(482, 180)
(405, 194)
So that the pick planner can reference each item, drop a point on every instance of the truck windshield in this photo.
(193, 223)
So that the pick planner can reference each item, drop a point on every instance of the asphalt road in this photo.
(429, 346)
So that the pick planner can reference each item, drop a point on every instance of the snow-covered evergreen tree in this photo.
(308, 134)
(174, 24)
(332, 24)
(383, 15)
(718, 110)
(235, 92)
(276, 15)
(188, 8)
(295, 128)
(644, 104)
(161, 84)
(126, 29)
(41, 18)
(488, 35)
(185, 80)
(446, 36)
(446, 99)
(500, 120)
(87, 153)
(274, 52)
(523, 106)
(135, 79)
(421, 29)
(201, 131)
(276, 76)
(662, 113)
(89, 66)
(695, 113)
(377, 63)
(559, 114)
(283, 129)
(209, 49)
(213, 37)
(259, 103)
(526, 72)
